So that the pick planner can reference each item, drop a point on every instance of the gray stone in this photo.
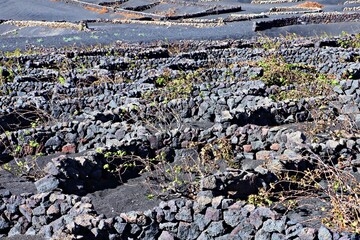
(261, 234)
(46, 184)
(232, 217)
(184, 214)
(169, 226)
(250, 164)
(64, 207)
(255, 220)
(130, 217)
(70, 137)
(31, 231)
(217, 201)
(51, 169)
(165, 235)
(244, 231)
(17, 229)
(255, 72)
(53, 142)
(224, 116)
(54, 209)
(3, 224)
(290, 155)
(257, 145)
(296, 138)
(26, 212)
(350, 143)
(256, 217)
(142, 220)
(213, 214)
(293, 231)
(5, 193)
(113, 236)
(135, 229)
(249, 155)
(204, 198)
(301, 116)
(199, 208)
(204, 236)
(265, 212)
(201, 221)
(102, 225)
(261, 170)
(169, 216)
(112, 104)
(46, 231)
(112, 142)
(307, 233)
(224, 237)
(120, 227)
(333, 145)
(226, 203)
(96, 233)
(247, 209)
(208, 183)
(183, 230)
(58, 224)
(324, 234)
(357, 120)
(39, 221)
(338, 89)
(266, 155)
(194, 232)
(279, 236)
(160, 215)
(120, 133)
(150, 232)
(184, 155)
(271, 225)
(350, 108)
(203, 108)
(215, 229)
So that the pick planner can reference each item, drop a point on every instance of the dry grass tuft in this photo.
(310, 5)
(102, 10)
(129, 15)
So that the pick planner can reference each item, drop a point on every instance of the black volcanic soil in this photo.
(13, 37)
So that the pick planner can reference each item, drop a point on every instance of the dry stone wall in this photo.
(314, 18)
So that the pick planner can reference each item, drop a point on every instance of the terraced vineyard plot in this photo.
(219, 139)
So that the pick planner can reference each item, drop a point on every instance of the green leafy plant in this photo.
(349, 41)
(262, 198)
(120, 163)
(9, 76)
(302, 81)
(161, 81)
(150, 196)
(173, 88)
(183, 177)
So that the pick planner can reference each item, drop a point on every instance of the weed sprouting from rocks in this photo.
(173, 88)
(297, 80)
(346, 41)
(120, 163)
(338, 190)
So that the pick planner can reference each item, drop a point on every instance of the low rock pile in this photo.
(243, 139)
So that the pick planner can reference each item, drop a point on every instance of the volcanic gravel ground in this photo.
(165, 141)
